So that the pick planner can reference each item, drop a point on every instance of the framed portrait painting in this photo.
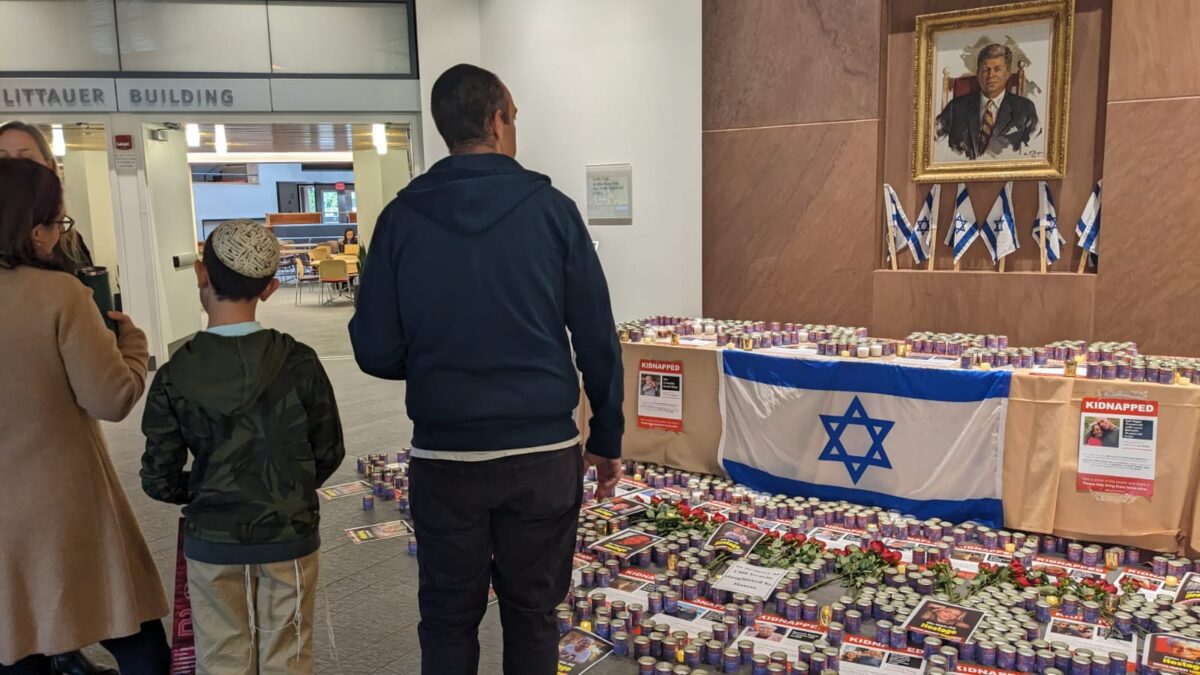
(992, 92)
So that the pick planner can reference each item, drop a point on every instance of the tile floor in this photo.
(367, 599)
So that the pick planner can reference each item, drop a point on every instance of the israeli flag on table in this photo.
(1088, 228)
(927, 219)
(899, 223)
(963, 229)
(926, 441)
(1048, 218)
(1000, 229)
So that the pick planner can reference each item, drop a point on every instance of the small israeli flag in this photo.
(1088, 228)
(927, 220)
(1048, 218)
(903, 229)
(1000, 229)
(963, 229)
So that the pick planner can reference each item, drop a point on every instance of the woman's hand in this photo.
(124, 323)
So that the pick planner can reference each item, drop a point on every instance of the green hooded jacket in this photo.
(258, 415)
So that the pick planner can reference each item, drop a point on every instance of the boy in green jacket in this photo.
(257, 412)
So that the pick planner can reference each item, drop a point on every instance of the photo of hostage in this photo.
(1103, 432)
(650, 385)
(991, 120)
(864, 657)
(945, 615)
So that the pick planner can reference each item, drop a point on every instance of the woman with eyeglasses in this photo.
(25, 141)
(74, 566)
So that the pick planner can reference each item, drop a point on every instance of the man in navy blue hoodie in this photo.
(478, 269)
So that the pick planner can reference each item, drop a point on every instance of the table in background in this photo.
(1041, 449)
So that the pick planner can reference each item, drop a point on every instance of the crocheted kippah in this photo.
(247, 248)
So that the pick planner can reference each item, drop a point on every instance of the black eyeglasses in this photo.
(65, 224)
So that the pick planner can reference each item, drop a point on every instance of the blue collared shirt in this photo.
(236, 329)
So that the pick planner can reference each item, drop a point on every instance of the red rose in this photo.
(656, 500)
(1089, 582)
(789, 537)
(719, 518)
(1024, 582)
(892, 557)
(800, 538)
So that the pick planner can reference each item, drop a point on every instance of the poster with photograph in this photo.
(835, 537)
(966, 559)
(1170, 653)
(378, 531)
(1080, 635)
(945, 620)
(629, 589)
(628, 486)
(620, 506)
(1057, 568)
(770, 637)
(1140, 581)
(344, 490)
(691, 618)
(660, 395)
(871, 660)
(1189, 589)
(579, 650)
(734, 538)
(1117, 446)
(741, 577)
(626, 543)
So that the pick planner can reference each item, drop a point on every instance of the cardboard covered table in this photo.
(1041, 447)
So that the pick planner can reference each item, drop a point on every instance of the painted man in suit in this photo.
(991, 120)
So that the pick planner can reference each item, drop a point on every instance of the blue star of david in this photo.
(960, 224)
(923, 225)
(834, 451)
(999, 225)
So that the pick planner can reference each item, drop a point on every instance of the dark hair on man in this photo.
(30, 196)
(993, 51)
(230, 285)
(464, 100)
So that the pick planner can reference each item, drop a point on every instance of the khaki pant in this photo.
(252, 619)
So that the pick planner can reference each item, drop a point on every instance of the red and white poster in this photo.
(660, 395)
(1118, 439)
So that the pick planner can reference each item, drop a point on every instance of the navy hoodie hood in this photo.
(471, 193)
(477, 271)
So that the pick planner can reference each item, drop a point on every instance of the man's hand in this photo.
(608, 473)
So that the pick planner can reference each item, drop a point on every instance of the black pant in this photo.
(511, 521)
(143, 653)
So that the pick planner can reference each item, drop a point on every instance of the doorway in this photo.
(319, 186)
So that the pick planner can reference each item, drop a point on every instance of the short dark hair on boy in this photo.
(228, 284)
(463, 101)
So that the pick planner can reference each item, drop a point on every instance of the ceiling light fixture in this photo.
(379, 138)
(58, 142)
(219, 139)
(192, 133)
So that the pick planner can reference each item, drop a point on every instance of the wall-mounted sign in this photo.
(610, 194)
(58, 94)
(199, 95)
(193, 95)
(124, 158)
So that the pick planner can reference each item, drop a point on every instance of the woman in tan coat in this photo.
(74, 567)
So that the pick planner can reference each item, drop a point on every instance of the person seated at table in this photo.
(349, 237)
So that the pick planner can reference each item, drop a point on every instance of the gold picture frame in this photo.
(1028, 136)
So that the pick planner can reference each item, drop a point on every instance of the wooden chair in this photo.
(335, 276)
(320, 253)
(302, 277)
